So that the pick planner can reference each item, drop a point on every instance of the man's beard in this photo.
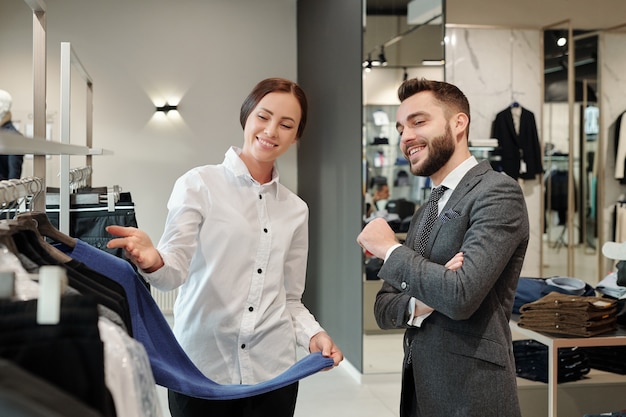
(440, 150)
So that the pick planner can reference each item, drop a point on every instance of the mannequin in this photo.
(10, 165)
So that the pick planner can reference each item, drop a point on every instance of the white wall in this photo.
(207, 54)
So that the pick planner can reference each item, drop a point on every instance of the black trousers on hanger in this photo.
(88, 223)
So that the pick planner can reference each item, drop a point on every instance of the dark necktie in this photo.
(421, 238)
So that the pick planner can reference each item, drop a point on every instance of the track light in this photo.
(381, 57)
(368, 63)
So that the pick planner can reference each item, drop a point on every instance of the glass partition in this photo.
(401, 40)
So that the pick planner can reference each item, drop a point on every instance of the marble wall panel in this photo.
(495, 67)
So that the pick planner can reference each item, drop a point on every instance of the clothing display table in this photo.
(554, 342)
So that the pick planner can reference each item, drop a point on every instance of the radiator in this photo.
(165, 299)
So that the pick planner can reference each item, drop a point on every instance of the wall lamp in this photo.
(166, 108)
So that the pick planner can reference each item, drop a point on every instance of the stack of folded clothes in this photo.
(610, 288)
(569, 315)
(607, 358)
(532, 289)
(531, 362)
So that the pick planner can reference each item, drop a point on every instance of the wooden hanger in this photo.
(6, 241)
(41, 222)
(37, 242)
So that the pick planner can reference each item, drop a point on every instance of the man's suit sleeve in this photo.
(391, 308)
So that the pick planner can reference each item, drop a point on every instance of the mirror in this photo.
(401, 39)
(570, 147)
(474, 55)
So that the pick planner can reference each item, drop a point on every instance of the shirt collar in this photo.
(453, 179)
(233, 162)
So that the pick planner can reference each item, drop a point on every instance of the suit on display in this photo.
(518, 140)
(620, 149)
(467, 338)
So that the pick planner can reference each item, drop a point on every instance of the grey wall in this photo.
(329, 165)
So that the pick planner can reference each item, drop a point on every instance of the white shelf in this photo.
(14, 144)
(11, 143)
(554, 342)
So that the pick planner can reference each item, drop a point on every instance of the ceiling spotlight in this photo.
(561, 41)
(368, 63)
(381, 57)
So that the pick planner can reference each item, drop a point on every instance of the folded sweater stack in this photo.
(569, 315)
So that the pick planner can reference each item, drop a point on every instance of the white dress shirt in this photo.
(238, 250)
(451, 181)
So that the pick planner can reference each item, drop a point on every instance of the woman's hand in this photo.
(137, 247)
(322, 342)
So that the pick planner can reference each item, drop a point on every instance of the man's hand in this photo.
(377, 237)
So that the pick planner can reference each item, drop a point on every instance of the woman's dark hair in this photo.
(453, 99)
(273, 85)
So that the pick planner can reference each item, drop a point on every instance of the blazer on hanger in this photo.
(515, 147)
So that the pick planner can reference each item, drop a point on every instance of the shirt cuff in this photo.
(391, 249)
(413, 320)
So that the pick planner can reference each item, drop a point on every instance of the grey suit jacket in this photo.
(460, 361)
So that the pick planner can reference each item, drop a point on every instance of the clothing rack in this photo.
(38, 146)
(13, 190)
(80, 177)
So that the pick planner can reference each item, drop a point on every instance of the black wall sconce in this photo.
(166, 108)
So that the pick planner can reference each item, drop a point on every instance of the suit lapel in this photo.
(469, 181)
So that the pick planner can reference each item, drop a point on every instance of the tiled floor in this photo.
(338, 393)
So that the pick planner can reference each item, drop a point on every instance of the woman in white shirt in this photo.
(236, 243)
